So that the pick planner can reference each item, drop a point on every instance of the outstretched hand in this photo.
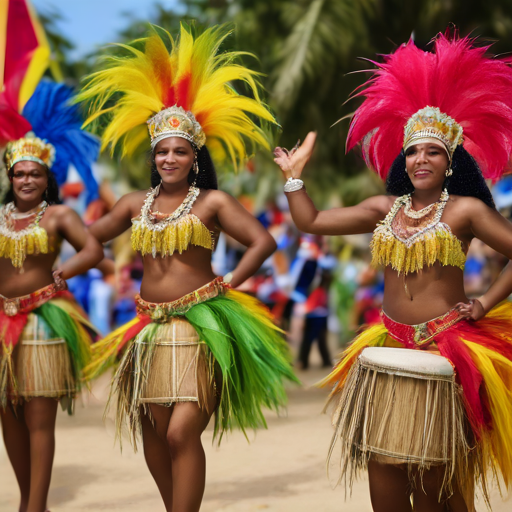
(293, 162)
(472, 311)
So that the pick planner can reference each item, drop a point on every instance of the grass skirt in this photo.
(474, 414)
(49, 356)
(235, 335)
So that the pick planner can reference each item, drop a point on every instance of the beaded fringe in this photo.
(436, 244)
(188, 230)
(16, 248)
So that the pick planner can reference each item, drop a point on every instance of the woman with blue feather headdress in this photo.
(45, 337)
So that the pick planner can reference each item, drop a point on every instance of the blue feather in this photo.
(53, 117)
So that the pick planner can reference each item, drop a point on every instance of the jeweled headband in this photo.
(32, 149)
(176, 122)
(431, 123)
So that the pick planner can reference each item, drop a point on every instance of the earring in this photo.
(448, 172)
(195, 167)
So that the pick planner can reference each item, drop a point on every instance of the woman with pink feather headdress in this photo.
(432, 422)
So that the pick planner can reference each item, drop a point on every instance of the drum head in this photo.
(402, 360)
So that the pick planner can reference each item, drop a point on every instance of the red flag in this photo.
(24, 57)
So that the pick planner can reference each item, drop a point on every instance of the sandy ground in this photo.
(281, 469)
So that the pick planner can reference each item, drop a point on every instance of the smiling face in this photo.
(29, 181)
(426, 165)
(174, 157)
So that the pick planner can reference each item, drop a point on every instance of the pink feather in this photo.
(456, 77)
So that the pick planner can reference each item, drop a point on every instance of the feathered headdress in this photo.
(56, 139)
(455, 94)
(185, 92)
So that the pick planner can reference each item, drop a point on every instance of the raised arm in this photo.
(495, 231)
(89, 251)
(339, 221)
(238, 223)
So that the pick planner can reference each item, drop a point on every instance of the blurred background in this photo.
(311, 54)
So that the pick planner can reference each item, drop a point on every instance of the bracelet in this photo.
(228, 278)
(293, 184)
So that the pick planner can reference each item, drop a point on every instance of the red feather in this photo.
(456, 77)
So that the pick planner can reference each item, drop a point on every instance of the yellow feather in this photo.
(145, 81)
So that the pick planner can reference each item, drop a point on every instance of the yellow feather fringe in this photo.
(496, 371)
(187, 230)
(435, 245)
(16, 249)
(193, 75)
(104, 352)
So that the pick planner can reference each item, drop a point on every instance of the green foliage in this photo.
(307, 51)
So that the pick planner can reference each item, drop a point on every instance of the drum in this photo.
(400, 406)
(180, 370)
(42, 362)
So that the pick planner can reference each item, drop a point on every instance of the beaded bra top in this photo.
(163, 234)
(409, 240)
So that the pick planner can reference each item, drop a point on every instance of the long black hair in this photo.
(467, 179)
(51, 194)
(207, 177)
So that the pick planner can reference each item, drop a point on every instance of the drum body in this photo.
(401, 406)
(180, 369)
(42, 362)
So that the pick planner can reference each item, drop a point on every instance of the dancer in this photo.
(45, 337)
(196, 346)
(448, 117)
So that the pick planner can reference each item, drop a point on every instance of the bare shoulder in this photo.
(215, 198)
(60, 211)
(381, 204)
(469, 205)
(133, 201)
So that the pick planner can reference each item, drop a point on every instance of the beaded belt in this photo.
(161, 311)
(420, 335)
(27, 303)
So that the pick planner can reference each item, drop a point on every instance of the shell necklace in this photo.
(155, 233)
(153, 222)
(32, 239)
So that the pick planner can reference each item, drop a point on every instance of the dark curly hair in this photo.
(467, 179)
(207, 177)
(51, 194)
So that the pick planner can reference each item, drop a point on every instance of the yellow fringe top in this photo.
(15, 245)
(177, 236)
(433, 241)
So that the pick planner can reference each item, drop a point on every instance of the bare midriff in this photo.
(434, 291)
(167, 279)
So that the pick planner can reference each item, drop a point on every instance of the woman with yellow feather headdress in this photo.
(196, 345)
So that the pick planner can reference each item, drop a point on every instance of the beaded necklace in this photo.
(156, 233)
(408, 240)
(15, 245)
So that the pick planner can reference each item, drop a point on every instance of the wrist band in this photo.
(293, 184)
(228, 277)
